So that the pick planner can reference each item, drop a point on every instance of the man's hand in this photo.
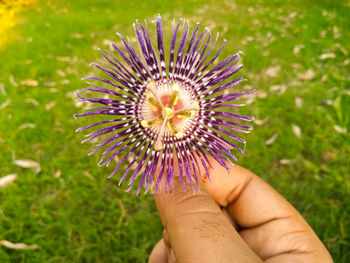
(237, 218)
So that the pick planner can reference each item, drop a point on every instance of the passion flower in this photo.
(166, 116)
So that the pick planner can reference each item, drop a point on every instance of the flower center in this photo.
(165, 110)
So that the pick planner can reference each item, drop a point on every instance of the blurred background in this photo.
(56, 205)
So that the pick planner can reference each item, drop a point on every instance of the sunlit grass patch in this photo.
(9, 16)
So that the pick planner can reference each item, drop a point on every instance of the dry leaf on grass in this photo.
(61, 73)
(261, 94)
(248, 87)
(295, 83)
(265, 53)
(346, 62)
(77, 35)
(329, 156)
(32, 101)
(336, 32)
(260, 122)
(71, 94)
(57, 174)
(339, 129)
(279, 89)
(249, 38)
(88, 175)
(298, 102)
(308, 75)
(272, 72)
(26, 126)
(324, 78)
(271, 140)
(326, 56)
(27, 163)
(53, 90)
(50, 83)
(286, 161)
(106, 42)
(2, 89)
(63, 59)
(296, 130)
(297, 49)
(71, 70)
(30, 82)
(296, 65)
(250, 98)
(7, 180)
(17, 246)
(78, 104)
(50, 105)
(12, 81)
(323, 33)
(5, 103)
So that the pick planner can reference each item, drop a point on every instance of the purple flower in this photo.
(165, 115)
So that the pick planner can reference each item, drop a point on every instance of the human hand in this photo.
(237, 218)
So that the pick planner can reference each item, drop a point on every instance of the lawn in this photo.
(295, 55)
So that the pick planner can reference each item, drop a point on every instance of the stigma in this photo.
(167, 110)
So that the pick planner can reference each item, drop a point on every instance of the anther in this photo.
(147, 123)
(186, 114)
(174, 130)
(175, 94)
(152, 101)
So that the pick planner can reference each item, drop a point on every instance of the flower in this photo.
(165, 116)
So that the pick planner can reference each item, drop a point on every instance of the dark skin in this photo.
(237, 218)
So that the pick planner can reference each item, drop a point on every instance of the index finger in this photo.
(249, 200)
(270, 224)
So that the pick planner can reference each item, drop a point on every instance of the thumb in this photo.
(197, 229)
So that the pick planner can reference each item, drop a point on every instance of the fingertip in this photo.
(225, 186)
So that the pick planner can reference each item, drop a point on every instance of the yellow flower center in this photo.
(168, 112)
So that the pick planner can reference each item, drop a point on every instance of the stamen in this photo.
(151, 96)
(186, 113)
(175, 94)
(152, 101)
(151, 122)
(174, 130)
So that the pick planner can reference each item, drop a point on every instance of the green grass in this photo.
(82, 218)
